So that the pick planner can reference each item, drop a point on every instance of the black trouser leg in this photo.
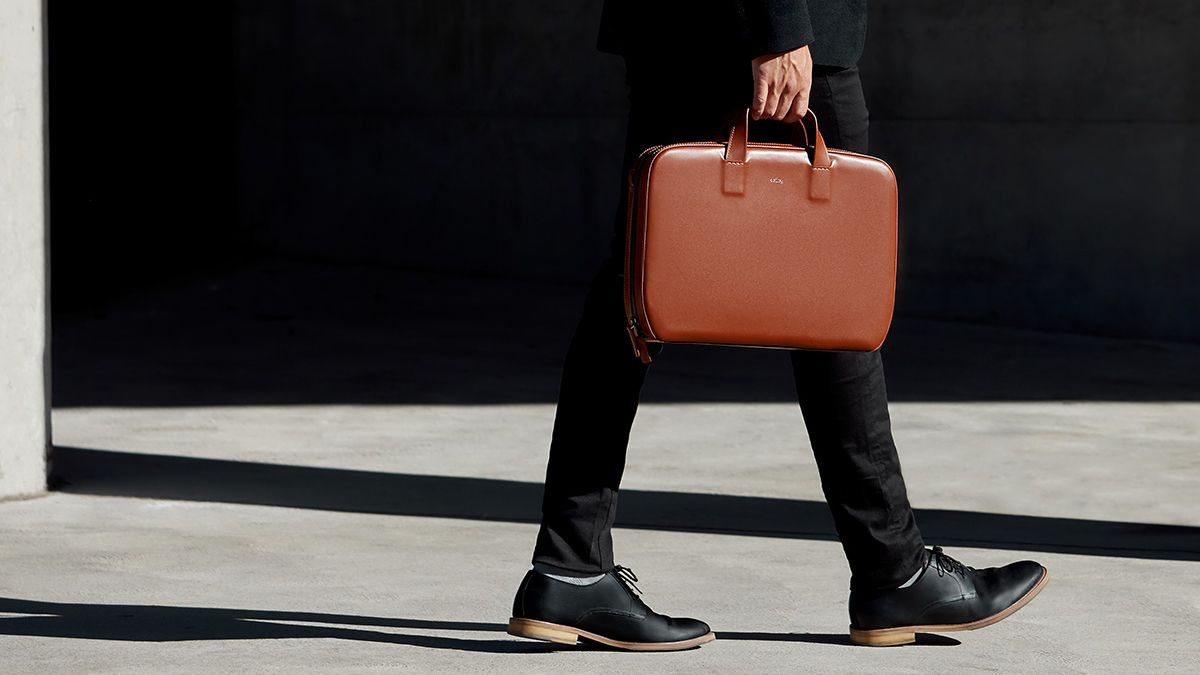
(844, 401)
(602, 379)
(843, 397)
(597, 400)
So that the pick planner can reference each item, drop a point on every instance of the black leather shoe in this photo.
(608, 612)
(948, 596)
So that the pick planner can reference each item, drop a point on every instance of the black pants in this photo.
(841, 394)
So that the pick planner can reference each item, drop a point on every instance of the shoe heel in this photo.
(878, 638)
(539, 630)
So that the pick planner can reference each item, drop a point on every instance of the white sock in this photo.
(913, 578)
(577, 581)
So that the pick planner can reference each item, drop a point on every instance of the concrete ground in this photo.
(295, 468)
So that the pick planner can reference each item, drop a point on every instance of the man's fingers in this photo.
(799, 107)
(771, 104)
(783, 104)
(770, 101)
(791, 88)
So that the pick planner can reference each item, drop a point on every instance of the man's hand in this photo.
(781, 85)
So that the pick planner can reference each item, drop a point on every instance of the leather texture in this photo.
(760, 244)
(608, 608)
(946, 593)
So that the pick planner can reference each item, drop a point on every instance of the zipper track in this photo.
(646, 160)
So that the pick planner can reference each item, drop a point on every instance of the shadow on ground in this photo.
(122, 474)
(157, 623)
(161, 623)
(282, 333)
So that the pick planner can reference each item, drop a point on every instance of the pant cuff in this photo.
(557, 568)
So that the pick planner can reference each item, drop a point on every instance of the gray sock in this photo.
(578, 581)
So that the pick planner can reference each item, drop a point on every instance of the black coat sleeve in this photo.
(777, 25)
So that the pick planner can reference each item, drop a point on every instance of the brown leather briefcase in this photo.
(760, 245)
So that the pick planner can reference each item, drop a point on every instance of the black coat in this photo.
(835, 29)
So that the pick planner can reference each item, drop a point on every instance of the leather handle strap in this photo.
(800, 133)
(820, 185)
(734, 181)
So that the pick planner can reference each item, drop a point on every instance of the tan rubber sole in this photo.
(566, 635)
(902, 635)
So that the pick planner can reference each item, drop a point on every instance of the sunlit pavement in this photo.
(340, 474)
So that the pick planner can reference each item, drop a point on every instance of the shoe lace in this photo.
(945, 564)
(627, 577)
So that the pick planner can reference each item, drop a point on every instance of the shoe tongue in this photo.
(636, 604)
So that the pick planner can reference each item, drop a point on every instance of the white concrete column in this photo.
(24, 362)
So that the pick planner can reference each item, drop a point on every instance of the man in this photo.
(689, 64)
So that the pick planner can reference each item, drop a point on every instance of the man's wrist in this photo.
(773, 55)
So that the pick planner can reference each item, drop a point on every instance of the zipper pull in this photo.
(639, 345)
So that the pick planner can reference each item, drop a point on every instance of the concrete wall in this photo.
(1048, 158)
(1041, 147)
(457, 134)
(24, 424)
(141, 114)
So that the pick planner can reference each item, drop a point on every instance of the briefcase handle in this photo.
(820, 186)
